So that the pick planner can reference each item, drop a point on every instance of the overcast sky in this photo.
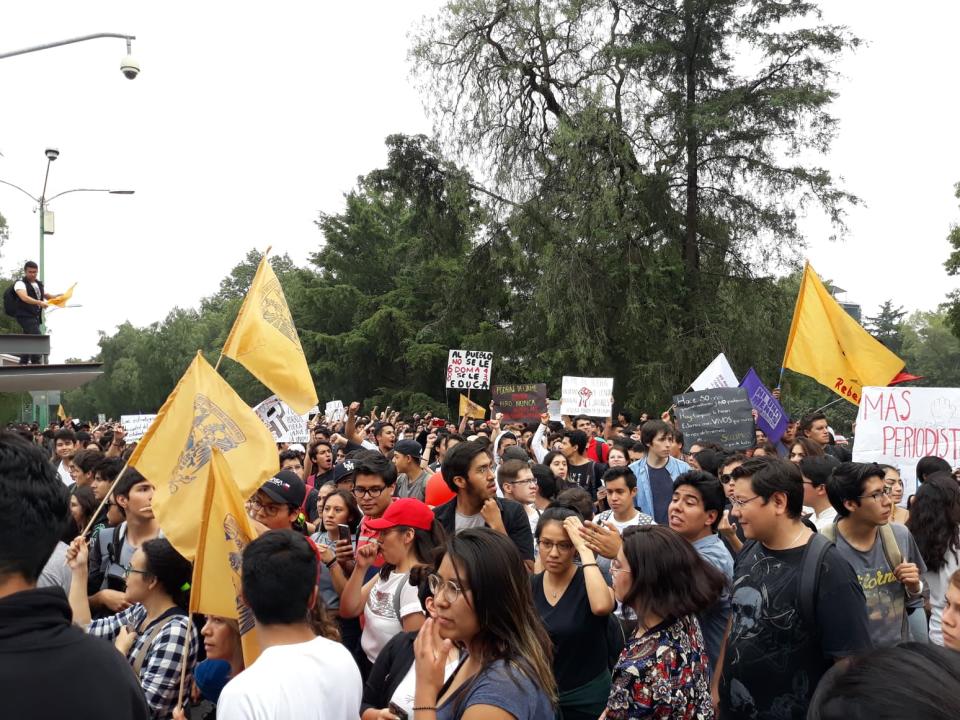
(246, 123)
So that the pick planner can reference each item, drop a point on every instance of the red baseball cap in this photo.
(405, 512)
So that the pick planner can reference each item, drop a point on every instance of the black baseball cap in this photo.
(285, 487)
(341, 471)
(408, 447)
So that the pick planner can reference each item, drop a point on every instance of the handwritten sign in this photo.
(771, 417)
(898, 426)
(718, 374)
(469, 369)
(521, 403)
(586, 396)
(719, 415)
(334, 411)
(136, 425)
(284, 424)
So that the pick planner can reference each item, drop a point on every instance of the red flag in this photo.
(902, 377)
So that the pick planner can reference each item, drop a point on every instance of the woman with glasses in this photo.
(409, 535)
(152, 632)
(482, 604)
(663, 671)
(574, 602)
(935, 525)
(892, 479)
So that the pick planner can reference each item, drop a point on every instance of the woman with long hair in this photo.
(483, 604)
(557, 463)
(803, 447)
(664, 670)
(892, 479)
(935, 525)
(152, 632)
(574, 602)
(409, 536)
(82, 506)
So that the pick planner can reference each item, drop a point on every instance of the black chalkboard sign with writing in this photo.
(719, 415)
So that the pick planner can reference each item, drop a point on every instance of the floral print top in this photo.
(663, 674)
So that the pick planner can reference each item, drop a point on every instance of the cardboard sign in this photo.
(136, 425)
(718, 374)
(334, 411)
(586, 396)
(284, 424)
(771, 417)
(898, 426)
(553, 407)
(469, 369)
(721, 415)
(521, 403)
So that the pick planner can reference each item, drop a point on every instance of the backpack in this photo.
(11, 300)
(810, 564)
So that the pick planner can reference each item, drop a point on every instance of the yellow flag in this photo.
(203, 412)
(265, 341)
(61, 300)
(61, 413)
(469, 408)
(831, 347)
(224, 532)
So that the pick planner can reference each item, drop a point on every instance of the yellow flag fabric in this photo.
(224, 532)
(471, 409)
(831, 347)
(265, 341)
(203, 412)
(61, 300)
(61, 413)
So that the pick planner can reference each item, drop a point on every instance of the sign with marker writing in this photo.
(898, 426)
(720, 415)
(469, 369)
(521, 403)
(136, 425)
(284, 423)
(586, 396)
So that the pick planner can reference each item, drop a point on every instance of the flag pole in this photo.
(797, 306)
(93, 517)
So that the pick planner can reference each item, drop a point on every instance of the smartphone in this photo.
(343, 532)
(398, 711)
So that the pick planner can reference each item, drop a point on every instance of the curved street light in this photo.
(128, 66)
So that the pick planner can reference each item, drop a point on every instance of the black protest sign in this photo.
(720, 415)
(521, 403)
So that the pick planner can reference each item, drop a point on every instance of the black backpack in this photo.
(11, 302)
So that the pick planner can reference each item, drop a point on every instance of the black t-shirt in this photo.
(586, 476)
(579, 636)
(661, 486)
(773, 661)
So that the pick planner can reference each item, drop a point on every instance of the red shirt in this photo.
(604, 453)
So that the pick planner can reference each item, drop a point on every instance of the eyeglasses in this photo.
(546, 546)
(129, 569)
(616, 569)
(727, 478)
(876, 495)
(741, 503)
(531, 481)
(449, 588)
(269, 510)
(373, 492)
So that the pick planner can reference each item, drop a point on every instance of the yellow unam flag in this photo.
(265, 341)
(61, 413)
(61, 300)
(471, 409)
(224, 532)
(832, 348)
(202, 413)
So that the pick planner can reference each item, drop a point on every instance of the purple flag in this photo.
(771, 417)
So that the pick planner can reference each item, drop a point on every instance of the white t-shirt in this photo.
(316, 680)
(380, 620)
(403, 696)
(824, 519)
(64, 474)
(21, 285)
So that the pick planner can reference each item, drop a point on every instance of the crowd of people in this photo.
(411, 569)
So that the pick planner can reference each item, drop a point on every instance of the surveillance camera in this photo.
(52, 154)
(129, 67)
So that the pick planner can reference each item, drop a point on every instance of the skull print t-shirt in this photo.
(773, 661)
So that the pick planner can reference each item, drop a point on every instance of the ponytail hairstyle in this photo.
(171, 570)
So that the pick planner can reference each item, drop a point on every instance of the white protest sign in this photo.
(285, 425)
(334, 411)
(101, 418)
(469, 369)
(136, 425)
(898, 426)
(586, 396)
(718, 374)
(553, 407)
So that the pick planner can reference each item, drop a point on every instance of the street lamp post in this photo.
(43, 203)
(128, 66)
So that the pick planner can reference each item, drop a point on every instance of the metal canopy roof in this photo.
(23, 378)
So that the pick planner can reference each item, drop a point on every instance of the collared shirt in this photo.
(160, 672)
(825, 518)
